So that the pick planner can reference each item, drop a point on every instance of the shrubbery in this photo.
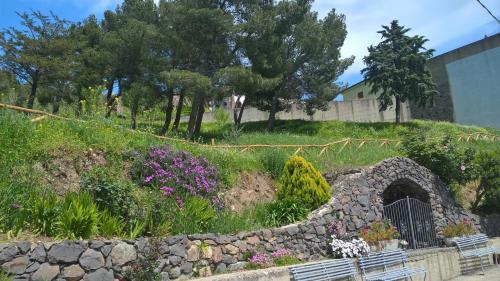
(284, 211)
(79, 217)
(300, 181)
(456, 230)
(488, 193)
(452, 164)
(109, 193)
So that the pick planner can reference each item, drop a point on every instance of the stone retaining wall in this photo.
(357, 199)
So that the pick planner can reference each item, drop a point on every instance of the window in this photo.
(360, 95)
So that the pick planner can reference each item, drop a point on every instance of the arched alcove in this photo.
(403, 188)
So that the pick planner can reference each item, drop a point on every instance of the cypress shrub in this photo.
(300, 181)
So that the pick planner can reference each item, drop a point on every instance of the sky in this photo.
(448, 24)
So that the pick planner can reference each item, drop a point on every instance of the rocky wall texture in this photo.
(359, 194)
(357, 199)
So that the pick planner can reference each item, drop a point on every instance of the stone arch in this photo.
(359, 194)
(402, 188)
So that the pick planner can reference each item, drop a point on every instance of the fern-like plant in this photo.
(79, 217)
(43, 209)
(110, 226)
(302, 182)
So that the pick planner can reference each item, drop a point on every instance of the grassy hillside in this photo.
(55, 154)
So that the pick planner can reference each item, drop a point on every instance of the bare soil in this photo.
(63, 170)
(250, 189)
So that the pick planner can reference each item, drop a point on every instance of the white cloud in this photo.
(440, 21)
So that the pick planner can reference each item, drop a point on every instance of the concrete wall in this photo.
(352, 110)
(441, 264)
(468, 81)
(475, 87)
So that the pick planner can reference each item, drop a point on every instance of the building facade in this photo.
(468, 82)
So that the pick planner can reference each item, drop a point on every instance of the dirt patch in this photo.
(252, 188)
(62, 172)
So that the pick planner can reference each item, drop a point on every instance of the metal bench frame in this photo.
(389, 262)
(324, 271)
(476, 246)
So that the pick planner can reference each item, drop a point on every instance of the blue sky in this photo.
(448, 24)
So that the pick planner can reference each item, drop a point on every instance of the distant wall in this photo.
(352, 110)
(468, 82)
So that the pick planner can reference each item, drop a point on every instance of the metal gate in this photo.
(414, 221)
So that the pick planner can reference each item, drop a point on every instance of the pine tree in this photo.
(397, 67)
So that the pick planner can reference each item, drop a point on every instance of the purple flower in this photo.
(261, 259)
(179, 201)
(180, 173)
(15, 206)
(281, 253)
(167, 190)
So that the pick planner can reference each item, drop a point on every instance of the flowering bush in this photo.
(280, 257)
(261, 260)
(179, 174)
(337, 229)
(379, 231)
(455, 230)
(349, 249)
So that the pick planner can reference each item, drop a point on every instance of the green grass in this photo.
(24, 145)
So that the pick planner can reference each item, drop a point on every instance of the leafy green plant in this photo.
(377, 232)
(302, 182)
(110, 226)
(284, 211)
(273, 161)
(221, 118)
(444, 158)
(44, 208)
(195, 215)
(79, 217)
(460, 229)
(488, 191)
(109, 193)
(135, 228)
(5, 277)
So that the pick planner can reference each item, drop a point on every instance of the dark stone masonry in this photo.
(358, 200)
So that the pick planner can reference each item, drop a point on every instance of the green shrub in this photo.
(284, 211)
(5, 277)
(111, 194)
(452, 164)
(79, 217)
(110, 226)
(302, 182)
(135, 228)
(273, 161)
(44, 208)
(488, 192)
(195, 216)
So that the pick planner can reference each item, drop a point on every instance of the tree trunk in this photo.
(398, 110)
(192, 116)
(133, 113)
(168, 113)
(199, 116)
(109, 97)
(235, 112)
(178, 112)
(272, 114)
(238, 123)
(31, 99)
(55, 106)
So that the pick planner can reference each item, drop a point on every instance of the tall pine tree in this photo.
(397, 67)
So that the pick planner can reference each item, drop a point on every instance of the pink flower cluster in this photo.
(337, 229)
(281, 253)
(261, 259)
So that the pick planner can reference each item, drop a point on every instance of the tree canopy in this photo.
(397, 68)
(272, 53)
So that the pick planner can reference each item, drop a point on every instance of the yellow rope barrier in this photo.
(248, 147)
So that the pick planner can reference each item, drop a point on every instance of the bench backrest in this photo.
(324, 271)
(379, 260)
(471, 242)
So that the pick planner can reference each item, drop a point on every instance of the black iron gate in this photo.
(413, 219)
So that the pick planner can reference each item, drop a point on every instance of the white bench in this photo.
(324, 271)
(476, 246)
(393, 266)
